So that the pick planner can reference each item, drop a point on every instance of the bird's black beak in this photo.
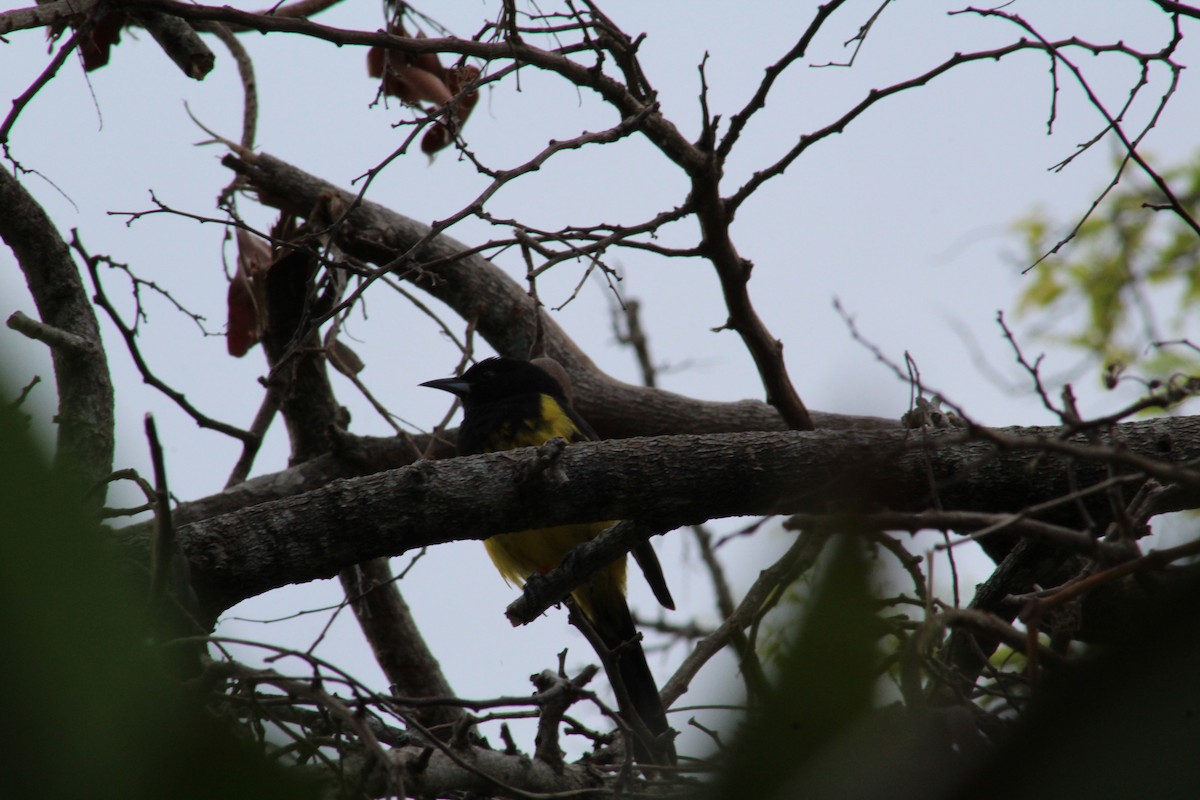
(455, 386)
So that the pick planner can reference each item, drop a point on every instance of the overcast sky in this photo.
(906, 218)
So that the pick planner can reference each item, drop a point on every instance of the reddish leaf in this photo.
(411, 78)
(441, 134)
(343, 359)
(245, 323)
(94, 48)
(423, 78)
(413, 84)
(460, 77)
(375, 61)
(436, 139)
(242, 328)
(254, 254)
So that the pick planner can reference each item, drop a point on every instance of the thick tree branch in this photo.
(179, 41)
(474, 771)
(662, 482)
(353, 457)
(504, 314)
(44, 15)
(85, 405)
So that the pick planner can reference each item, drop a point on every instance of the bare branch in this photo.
(397, 643)
(44, 15)
(258, 430)
(179, 41)
(51, 336)
(759, 100)
(18, 105)
(85, 413)
(503, 312)
(130, 336)
(799, 558)
(876, 95)
(1178, 8)
(249, 84)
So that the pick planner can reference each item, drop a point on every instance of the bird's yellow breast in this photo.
(523, 553)
(551, 421)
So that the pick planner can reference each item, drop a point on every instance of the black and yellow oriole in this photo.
(509, 403)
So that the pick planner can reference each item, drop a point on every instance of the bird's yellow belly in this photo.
(524, 553)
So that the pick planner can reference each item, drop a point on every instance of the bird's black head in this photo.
(499, 378)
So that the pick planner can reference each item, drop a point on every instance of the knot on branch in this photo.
(548, 463)
(417, 477)
(556, 693)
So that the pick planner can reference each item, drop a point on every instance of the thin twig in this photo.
(130, 337)
(164, 531)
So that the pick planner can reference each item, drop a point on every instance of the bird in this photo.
(510, 403)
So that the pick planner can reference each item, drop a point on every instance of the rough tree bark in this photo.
(86, 427)
(663, 482)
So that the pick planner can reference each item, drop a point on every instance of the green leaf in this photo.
(90, 710)
(826, 685)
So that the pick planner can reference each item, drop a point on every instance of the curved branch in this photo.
(85, 393)
(504, 314)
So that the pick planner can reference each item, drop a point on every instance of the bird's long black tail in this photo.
(612, 621)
